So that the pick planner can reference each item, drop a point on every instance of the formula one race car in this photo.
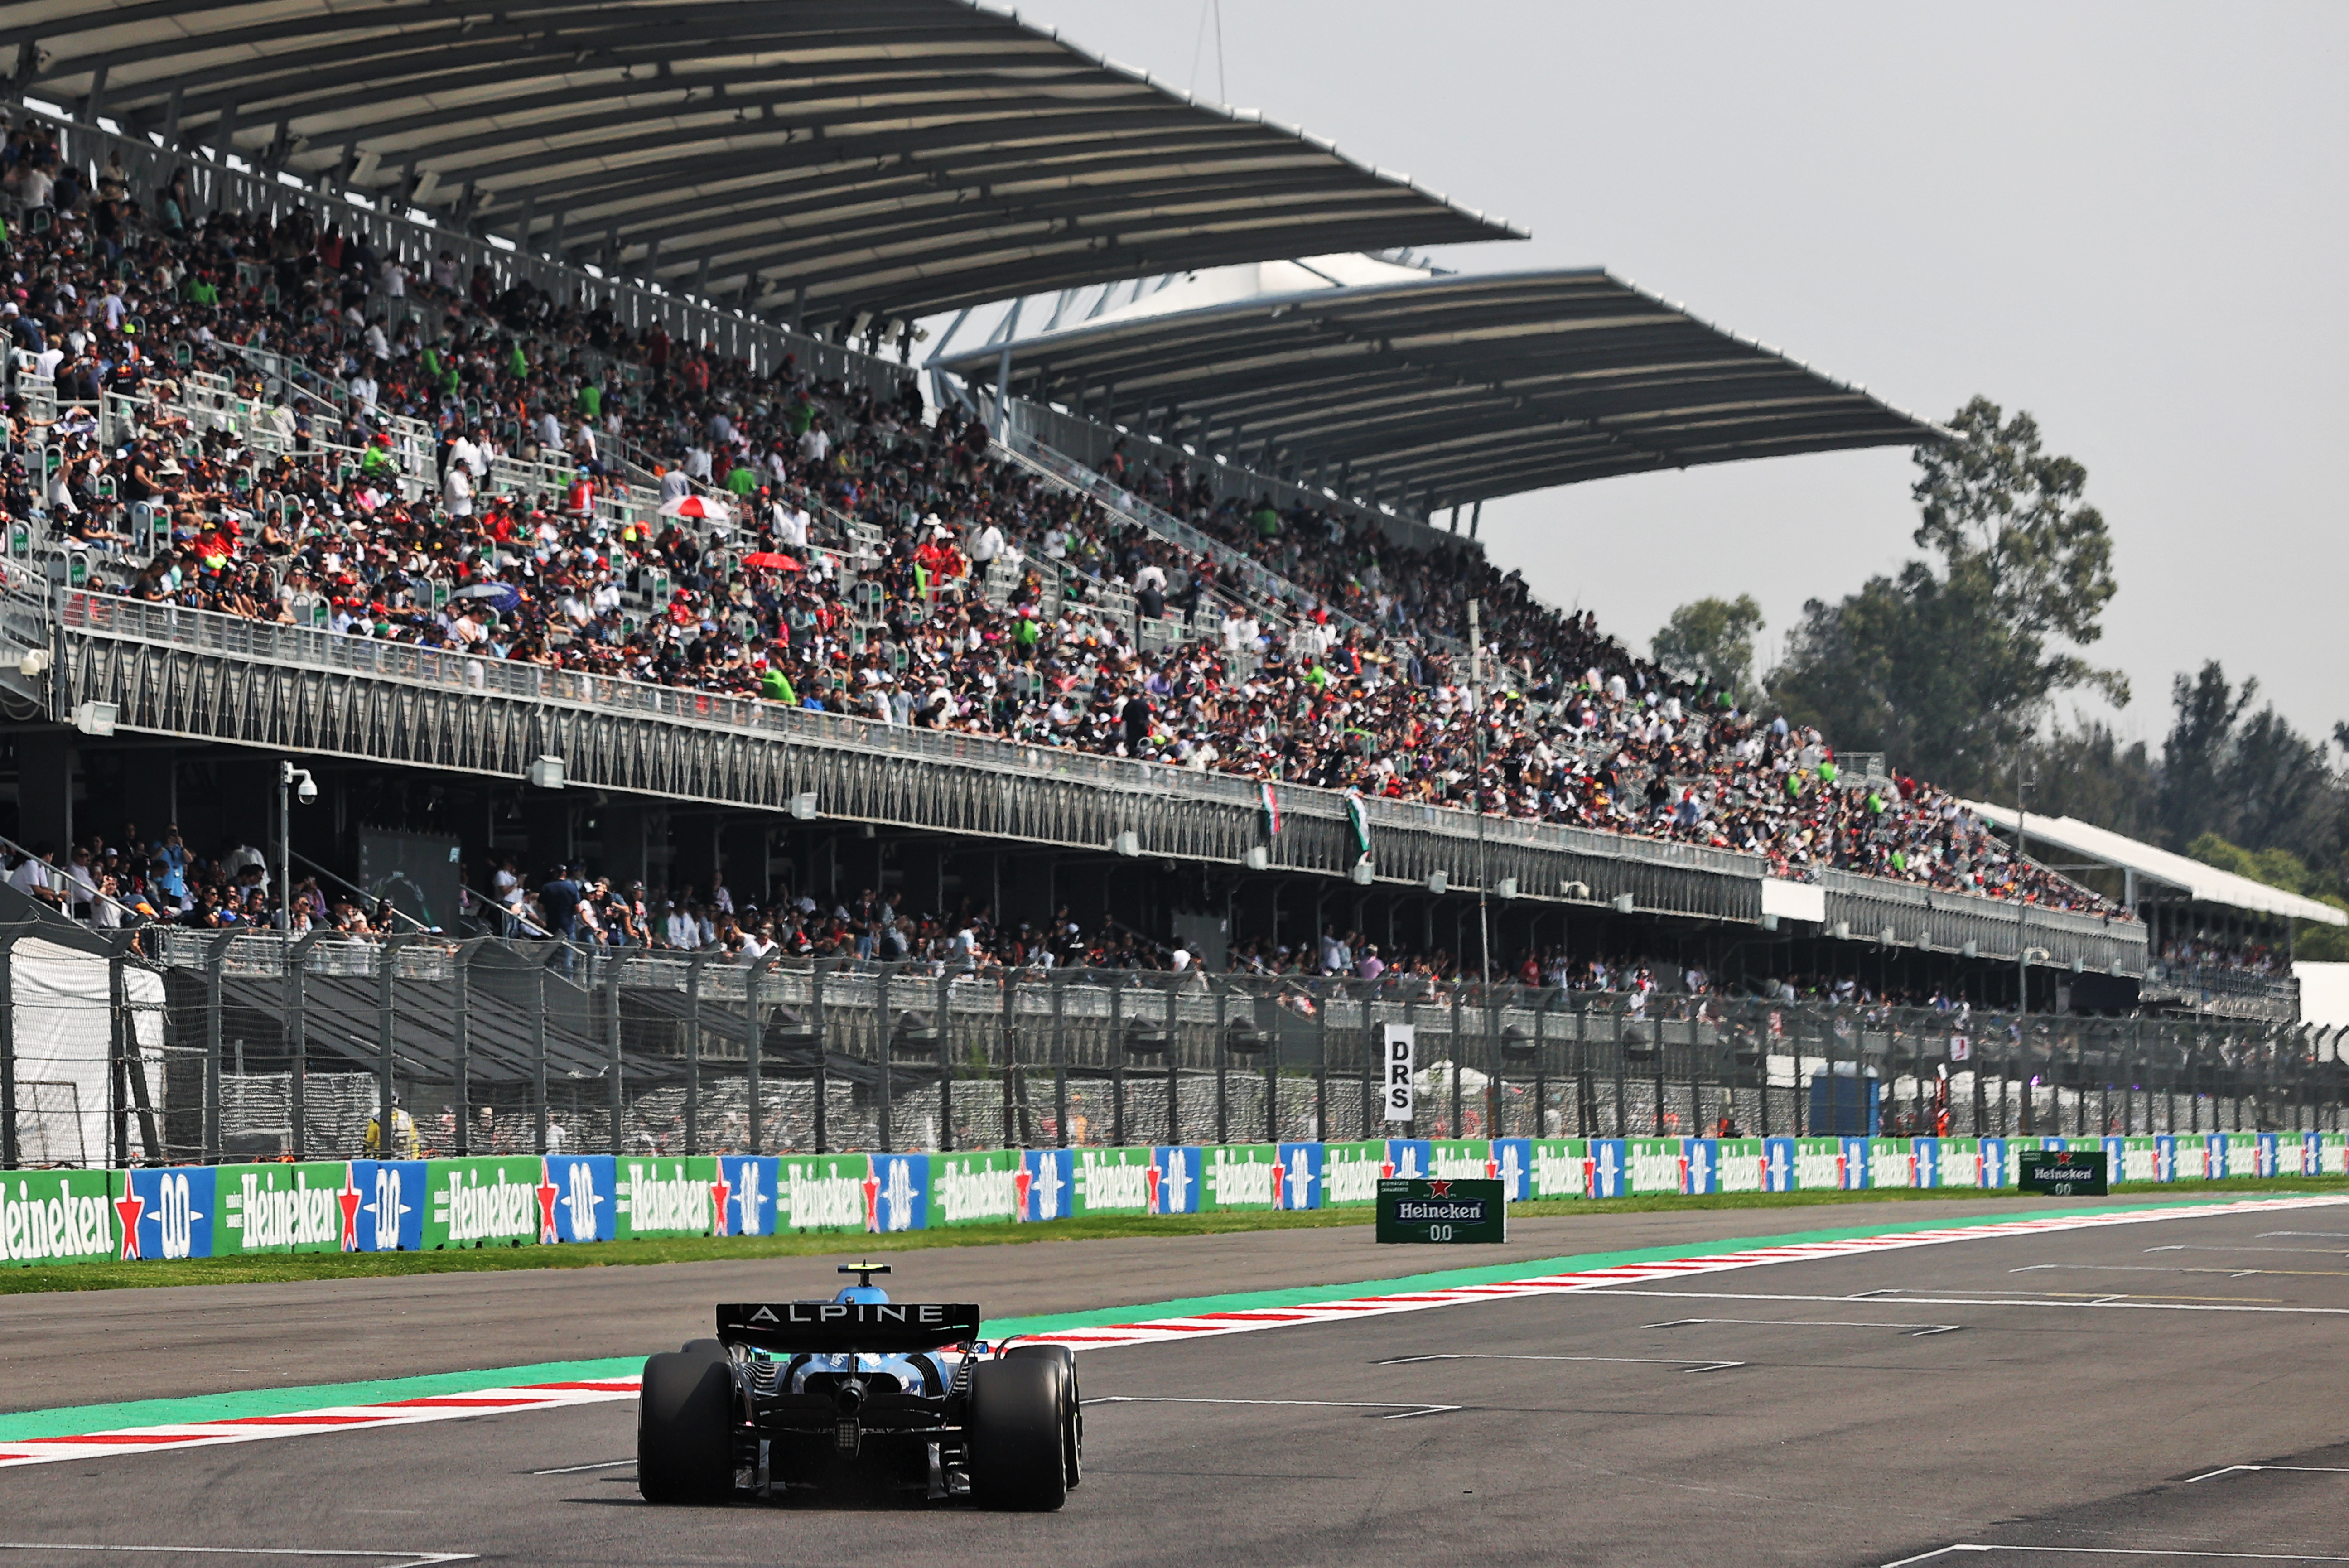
(859, 1392)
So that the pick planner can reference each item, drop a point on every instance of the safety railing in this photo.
(243, 1046)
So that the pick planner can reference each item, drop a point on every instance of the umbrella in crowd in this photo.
(502, 596)
(701, 508)
(772, 560)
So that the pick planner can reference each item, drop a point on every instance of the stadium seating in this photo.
(269, 421)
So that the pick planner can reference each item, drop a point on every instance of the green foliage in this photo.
(2282, 868)
(2246, 776)
(1712, 642)
(2085, 772)
(1949, 668)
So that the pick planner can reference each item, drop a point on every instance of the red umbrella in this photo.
(772, 560)
(706, 508)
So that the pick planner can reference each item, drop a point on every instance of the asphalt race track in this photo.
(2172, 1391)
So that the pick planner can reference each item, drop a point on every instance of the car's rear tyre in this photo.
(713, 1348)
(1016, 1433)
(685, 1428)
(1072, 1405)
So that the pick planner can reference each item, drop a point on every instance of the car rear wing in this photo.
(835, 1328)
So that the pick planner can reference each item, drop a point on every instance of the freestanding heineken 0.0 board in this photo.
(1443, 1210)
(2063, 1173)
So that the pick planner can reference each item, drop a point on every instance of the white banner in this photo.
(1402, 1043)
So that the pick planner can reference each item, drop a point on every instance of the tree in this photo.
(1948, 666)
(2282, 868)
(2085, 772)
(2245, 777)
(1710, 641)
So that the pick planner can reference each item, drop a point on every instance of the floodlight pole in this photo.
(2021, 903)
(1476, 718)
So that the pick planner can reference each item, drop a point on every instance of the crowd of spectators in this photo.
(879, 561)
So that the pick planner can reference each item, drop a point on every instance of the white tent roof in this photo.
(2203, 884)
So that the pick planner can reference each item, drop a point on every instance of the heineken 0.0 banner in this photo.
(1300, 1175)
(166, 1214)
(1461, 1159)
(1350, 1171)
(976, 1188)
(749, 1184)
(1115, 1181)
(1739, 1165)
(589, 1209)
(1892, 1162)
(1048, 1184)
(1409, 1158)
(57, 1216)
(667, 1196)
(282, 1207)
(502, 1201)
(826, 1192)
(1240, 1176)
(1182, 1184)
(1659, 1165)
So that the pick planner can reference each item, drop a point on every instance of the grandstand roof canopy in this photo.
(896, 156)
(2203, 884)
(1443, 390)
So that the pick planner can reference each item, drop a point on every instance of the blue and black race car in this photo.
(860, 1392)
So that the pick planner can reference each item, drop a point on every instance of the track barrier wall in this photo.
(165, 1213)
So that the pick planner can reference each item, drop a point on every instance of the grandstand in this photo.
(544, 496)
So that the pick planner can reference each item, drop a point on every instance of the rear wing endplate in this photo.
(834, 1328)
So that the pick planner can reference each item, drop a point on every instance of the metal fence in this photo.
(269, 1048)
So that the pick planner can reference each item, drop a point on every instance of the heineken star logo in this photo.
(128, 1207)
(1152, 1177)
(871, 1188)
(1276, 1172)
(547, 1193)
(1021, 1183)
(719, 1192)
(350, 1201)
(1439, 1188)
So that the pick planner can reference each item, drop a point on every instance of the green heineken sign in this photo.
(56, 1217)
(2062, 1173)
(1443, 1210)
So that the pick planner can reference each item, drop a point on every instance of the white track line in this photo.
(395, 1559)
(2102, 1302)
(1912, 1330)
(2122, 1552)
(2233, 1470)
(1402, 1412)
(1621, 1360)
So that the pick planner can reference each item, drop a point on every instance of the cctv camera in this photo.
(307, 790)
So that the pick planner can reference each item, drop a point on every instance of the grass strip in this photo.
(273, 1268)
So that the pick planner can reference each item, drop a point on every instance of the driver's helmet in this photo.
(870, 1294)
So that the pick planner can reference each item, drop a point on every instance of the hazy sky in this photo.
(2128, 219)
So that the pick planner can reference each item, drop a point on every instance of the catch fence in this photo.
(253, 1046)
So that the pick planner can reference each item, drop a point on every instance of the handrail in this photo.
(108, 616)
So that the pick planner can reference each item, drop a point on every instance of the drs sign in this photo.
(1401, 1042)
